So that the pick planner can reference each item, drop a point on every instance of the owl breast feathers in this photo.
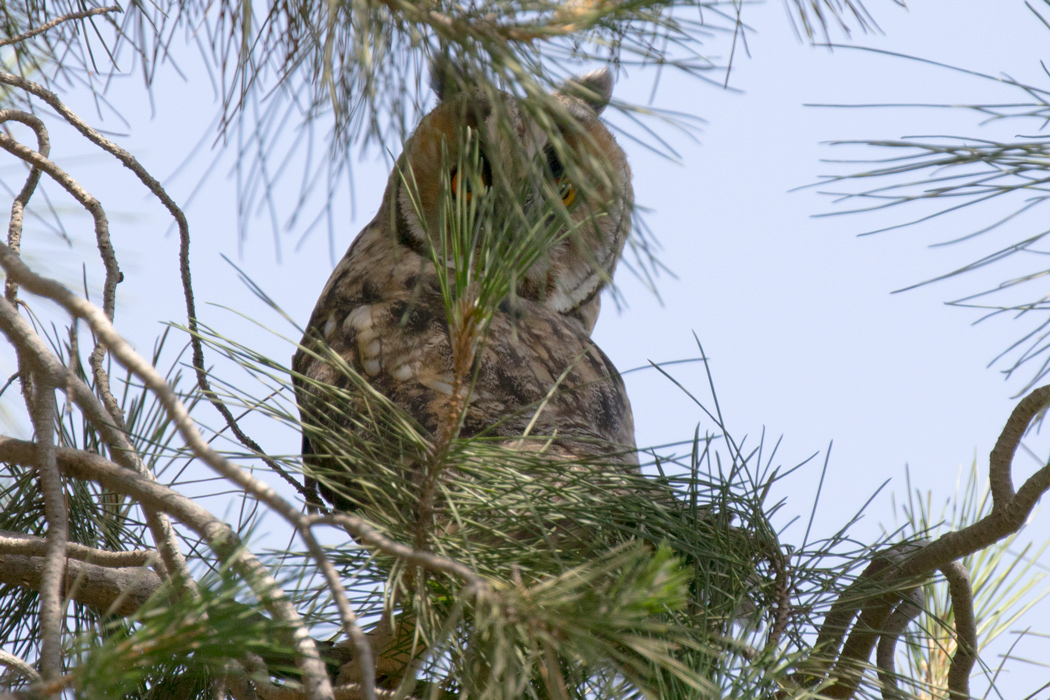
(382, 323)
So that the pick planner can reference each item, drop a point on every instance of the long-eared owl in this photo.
(485, 214)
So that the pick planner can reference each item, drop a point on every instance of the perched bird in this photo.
(464, 310)
(472, 294)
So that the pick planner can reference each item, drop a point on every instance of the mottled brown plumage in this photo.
(383, 313)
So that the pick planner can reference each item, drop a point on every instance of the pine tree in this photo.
(116, 582)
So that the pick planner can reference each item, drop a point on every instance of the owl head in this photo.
(543, 185)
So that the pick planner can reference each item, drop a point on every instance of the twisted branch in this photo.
(14, 227)
(105, 245)
(879, 589)
(107, 420)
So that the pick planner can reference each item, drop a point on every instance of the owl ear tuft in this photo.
(447, 77)
(594, 89)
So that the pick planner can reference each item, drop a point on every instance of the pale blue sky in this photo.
(796, 314)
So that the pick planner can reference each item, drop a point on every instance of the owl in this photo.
(484, 210)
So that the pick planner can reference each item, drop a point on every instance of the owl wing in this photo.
(540, 372)
(375, 352)
(380, 328)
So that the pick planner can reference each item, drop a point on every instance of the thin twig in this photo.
(9, 382)
(367, 535)
(105, 246)
(14, 227)
(82, 14)
(158, 191)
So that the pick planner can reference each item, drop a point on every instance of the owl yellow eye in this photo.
(467, 194)
(468, 191)
(566, 190)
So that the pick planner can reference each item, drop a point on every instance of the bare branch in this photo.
(117, 439)
(105, 247)
(13, 662)
(220, 537)
(965, 629)
(20, 543)
(1001, 459)
(908, 609)
(14, 229)
(85, 199)
(1010, 510)
(110, 590)
(877, 593)
(42, 409)
(836, 625)
(129, 358)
